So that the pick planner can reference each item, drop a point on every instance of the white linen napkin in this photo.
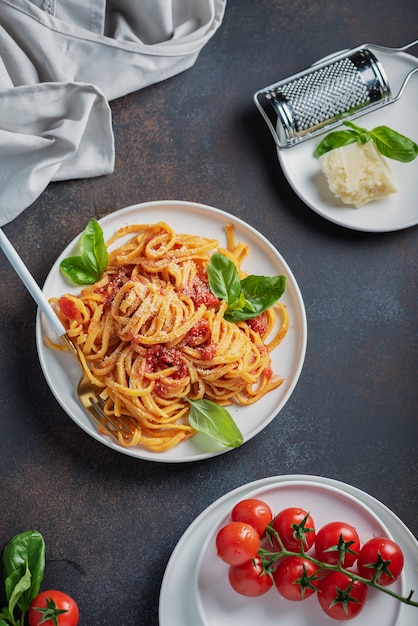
(50, 131)
(61, 61)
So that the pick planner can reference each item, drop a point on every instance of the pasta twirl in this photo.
(151, 333)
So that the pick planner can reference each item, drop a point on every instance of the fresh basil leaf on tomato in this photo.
(260, 293)
(245, 298)
(224, 279)
(215, 421)
(87, 268)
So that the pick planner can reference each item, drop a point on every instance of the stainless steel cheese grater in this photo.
(344, 86)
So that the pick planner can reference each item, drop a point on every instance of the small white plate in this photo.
(178, 604)
(219, 605)
(62, 373)
(395, 212)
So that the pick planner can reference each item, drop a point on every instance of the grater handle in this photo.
(401, 49)
(376, 47)
(387, 49)
(402, 87)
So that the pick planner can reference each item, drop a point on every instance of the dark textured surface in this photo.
(110, 522)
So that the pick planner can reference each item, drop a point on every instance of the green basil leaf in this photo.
(245, 298)
(93, 249)
(355, 127)
(5, 613)
(260, 292)
(239, 304)
(334, 140)
(25, 551)
(224, 278)
(343, 138)
(215, 421)
(18, 591)
(393, 145)
(263, 291)
(74, 268)
(87, 268)
(389, 142)
(363, 135)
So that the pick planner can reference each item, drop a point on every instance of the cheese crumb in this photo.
(358, 173)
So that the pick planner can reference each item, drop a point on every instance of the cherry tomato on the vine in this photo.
(249, 579)
(382, 556)
(296, 578)
(253, 511)
(292, 523)
(340, 597)
(335, 538)
(52, 608)
(237, 542)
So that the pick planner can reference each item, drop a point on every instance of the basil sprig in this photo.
(23, 568)
(215, 421)
(245, 298)
(87, 268)
(389, 142)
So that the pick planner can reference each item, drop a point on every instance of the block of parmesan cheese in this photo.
(358, 173)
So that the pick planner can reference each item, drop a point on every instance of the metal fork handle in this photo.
(72, 349)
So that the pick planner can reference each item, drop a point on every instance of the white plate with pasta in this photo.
(62, 373)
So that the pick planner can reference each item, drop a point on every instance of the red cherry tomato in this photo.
(382, 556)
(69, 308)
(337, 535)
(46, 609)
(237, 542)
(292, 523)
(254, 512)
(296, 578)
(340, 597)
(249, 579)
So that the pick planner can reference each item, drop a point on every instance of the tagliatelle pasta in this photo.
(151, 333)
